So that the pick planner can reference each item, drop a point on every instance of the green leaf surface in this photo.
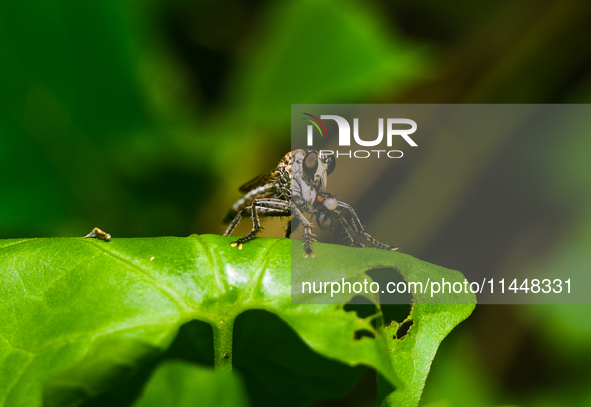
(413, 355)
(180, 384)
(81, 316)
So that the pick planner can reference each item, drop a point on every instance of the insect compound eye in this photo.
(311, 163)
(319, 201)
(331, 164)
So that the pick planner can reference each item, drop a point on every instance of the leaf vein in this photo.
(19, 378)
(169, 292)
(214, 268)
(259, 275)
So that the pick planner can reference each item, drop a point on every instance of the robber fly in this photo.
(295, 187)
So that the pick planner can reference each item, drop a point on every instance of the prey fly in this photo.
(297, 186)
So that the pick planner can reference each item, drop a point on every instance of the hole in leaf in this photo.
(389, 279)
(362, 306)
(395, 313)
(364, 333)
(395, 306)
(403, 329)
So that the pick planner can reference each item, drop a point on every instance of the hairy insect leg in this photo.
(348, 228)
(307, 230)
(361, 229)
(292, 225)
(273, 207)
(234, 223)
(260, 207)
(331, 234)
(378, 243)
(256, 227)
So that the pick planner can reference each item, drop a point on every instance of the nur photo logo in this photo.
(394, 127)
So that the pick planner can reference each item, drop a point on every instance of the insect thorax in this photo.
(305, 186)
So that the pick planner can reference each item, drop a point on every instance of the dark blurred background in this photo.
(143, 118)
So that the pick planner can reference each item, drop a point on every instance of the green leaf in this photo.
(429, 321)
(180, 384)
(79, 317)
(413, 355)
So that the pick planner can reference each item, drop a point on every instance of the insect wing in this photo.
(262, 179)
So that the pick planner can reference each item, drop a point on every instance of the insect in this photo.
(297, 186)
(99, 234)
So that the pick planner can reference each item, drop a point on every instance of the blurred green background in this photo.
(143, 118)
